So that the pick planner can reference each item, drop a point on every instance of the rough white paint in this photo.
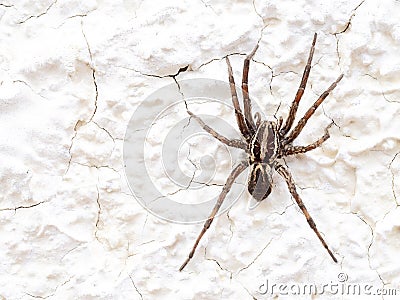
(73, 72)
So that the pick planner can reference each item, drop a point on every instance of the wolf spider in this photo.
(266, 143)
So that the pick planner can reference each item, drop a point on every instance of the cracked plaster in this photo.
(73, 72)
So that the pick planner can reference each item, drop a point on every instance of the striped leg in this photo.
(233, 143)
(303, 121)
(245, 90)
(228, 184)
(300, 91)
(238, 112)
(292, 189)
(291, 150)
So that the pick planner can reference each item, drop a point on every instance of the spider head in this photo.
(260, 180)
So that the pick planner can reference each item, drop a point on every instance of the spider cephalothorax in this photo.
(266, 144)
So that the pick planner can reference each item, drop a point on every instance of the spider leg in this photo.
(238, 112)
(228, 184)
(290, 150)
(300, 91)
(292, 188)
(232, 143)
(245, 91)
(303, 121)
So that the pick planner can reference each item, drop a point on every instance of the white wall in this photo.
(73, 72)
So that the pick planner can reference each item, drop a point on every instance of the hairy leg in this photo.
(303, 121)
(290, 150)
(292, 189)
(300, 91)
(228, 184)
(232, 143)
(245, 90)
(238, 112)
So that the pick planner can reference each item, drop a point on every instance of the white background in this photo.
(73, 72)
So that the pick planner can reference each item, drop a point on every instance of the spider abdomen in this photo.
(260, 180)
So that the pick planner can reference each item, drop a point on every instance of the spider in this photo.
(266, 143)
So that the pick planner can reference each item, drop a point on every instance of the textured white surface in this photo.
(73, 72)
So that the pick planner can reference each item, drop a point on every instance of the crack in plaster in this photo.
(108, 133)
(188, 156)
(347, 26)
(6, 5)
(192, 180)
(236, 53)
(97, 167)
(257, 13)
(382, 92)
(134, 285)
(77, 125)
(207, 5)
(284, 210)
(250, 294)
(53, 293)
(231, 225)
(180, 70)
(189, 119)
(337, 50)
(369, 259)
(148, 242)
(81, 123)
(145, 222)
(336, 125)
(98, 214)
(262, 20)
(128, 255)
(256, 257)
(37, 297)
(191, 161)
(218, 264)
(39, 15)
(370, 245)
(183, 96)
(154, 123)
(26, 84)
(75, 16)
(178, 190)
(272, 74)
(391, 171)
(23, 206)
(69, 251)
(93, 72)
(219, 58)
(353, 13)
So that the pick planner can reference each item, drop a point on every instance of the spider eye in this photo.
(259, 185)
